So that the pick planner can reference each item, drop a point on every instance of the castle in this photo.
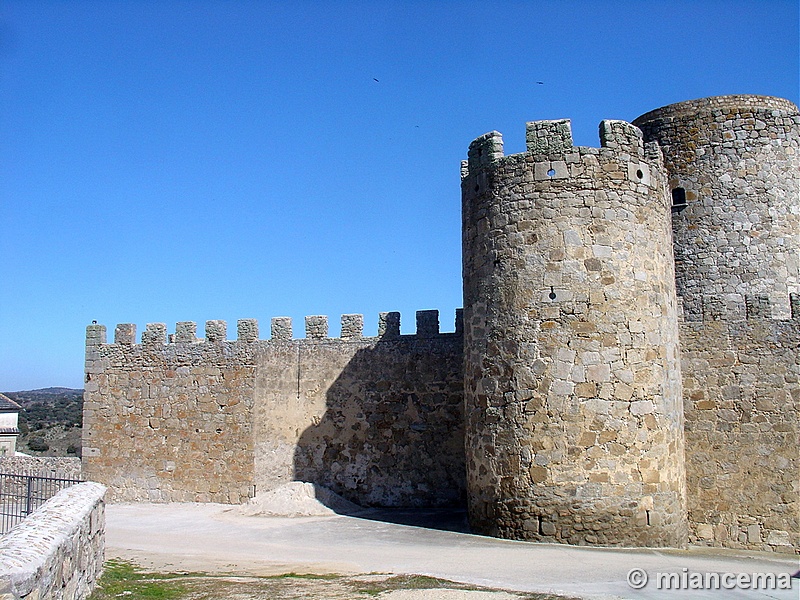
(625, 371)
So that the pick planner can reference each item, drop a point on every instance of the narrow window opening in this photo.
(639, 173)
(678, 199)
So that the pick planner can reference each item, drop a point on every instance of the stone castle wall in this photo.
(378, 420)
(741, 379)
(628, 361)
(572, 382)
(735, 163)
(169, 421)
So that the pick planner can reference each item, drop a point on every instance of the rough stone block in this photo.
(621, 136)
(352, 327)
(389, 325)
(779, 538)
(753, 534)
(247, 330)
(427, 323)
(485, 150)
(548, 137)
(216, 331)
(186, 332)
(281, 328)
(95, 335)
(155, 334)
(317, 327)
(125, 333)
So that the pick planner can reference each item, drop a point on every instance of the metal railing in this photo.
(20, 495)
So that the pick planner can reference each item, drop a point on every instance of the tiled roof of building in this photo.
(7, 404)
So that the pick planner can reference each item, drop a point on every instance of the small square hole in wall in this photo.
(678, 199)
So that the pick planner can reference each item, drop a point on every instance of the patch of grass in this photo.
(407, 582)
(123, 580)
(126, 581)
(424, 582)
(328, 576)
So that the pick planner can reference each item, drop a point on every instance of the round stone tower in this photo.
(574, 419)
(734, 173)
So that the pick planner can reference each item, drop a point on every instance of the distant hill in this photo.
(50, 421)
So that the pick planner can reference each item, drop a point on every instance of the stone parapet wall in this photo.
(741, 380)
(169, 422)
(574, 419)
(177, 418)
(630, 325)
(57, 551)
(725, 104)
(62, 467)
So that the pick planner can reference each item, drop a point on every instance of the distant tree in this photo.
(37, 444)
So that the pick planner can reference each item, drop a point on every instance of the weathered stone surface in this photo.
(742, 432)
(736, 161)
(171, 422)
(62, 467)
(571, 331)
(58, 550)
(377, 420)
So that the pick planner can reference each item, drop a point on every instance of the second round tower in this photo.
(734, 173)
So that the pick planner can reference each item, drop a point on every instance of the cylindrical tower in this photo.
(734, 171)
(574, 419)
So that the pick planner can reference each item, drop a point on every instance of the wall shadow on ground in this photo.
(391, 438)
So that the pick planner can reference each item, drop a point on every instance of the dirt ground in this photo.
(198, 586)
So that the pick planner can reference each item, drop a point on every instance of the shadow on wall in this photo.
(392, 434)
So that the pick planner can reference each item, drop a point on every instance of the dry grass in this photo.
(123, 580)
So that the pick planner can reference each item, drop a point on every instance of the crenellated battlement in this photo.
(735, 307)
(247, 331)
(551, 157)
(548, 137)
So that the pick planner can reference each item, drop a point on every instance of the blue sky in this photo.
(169, 161)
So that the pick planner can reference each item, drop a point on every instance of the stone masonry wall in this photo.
(169, 422)
(572, 384)
(64, 467)
(378, 420)
(56, 552)
(735, 163)
(742, 397)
